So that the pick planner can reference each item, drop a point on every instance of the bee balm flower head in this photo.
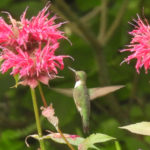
(28, 48)
(140, 45)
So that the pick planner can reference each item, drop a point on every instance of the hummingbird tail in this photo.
(85, 127)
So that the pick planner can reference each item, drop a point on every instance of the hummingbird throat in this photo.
(78, 83)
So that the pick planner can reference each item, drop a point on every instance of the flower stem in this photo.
(36, 112)
(117, 145)
(45, 105)
(42, 95)
(69, 145)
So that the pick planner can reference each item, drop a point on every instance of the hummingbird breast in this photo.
(82, 101)
(81, 98)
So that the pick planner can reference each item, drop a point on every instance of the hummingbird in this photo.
(83, 95)
(82, 98)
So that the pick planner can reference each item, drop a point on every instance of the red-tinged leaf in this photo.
(35, 136)
(49, 113)
(72, 139)
(56, 137)
(82, 143)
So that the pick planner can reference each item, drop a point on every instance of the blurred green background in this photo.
(97, 29)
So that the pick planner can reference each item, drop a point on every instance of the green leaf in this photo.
(93, 139)
(16, 77)
(142, 128)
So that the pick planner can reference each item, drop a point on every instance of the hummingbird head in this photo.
(79, 75)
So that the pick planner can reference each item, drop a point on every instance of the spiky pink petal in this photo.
(140, 45)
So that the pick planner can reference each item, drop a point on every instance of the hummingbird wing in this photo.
(65, 91)
(93, 92)
(102, 91)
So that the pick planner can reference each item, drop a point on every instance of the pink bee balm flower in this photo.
(140, 45)
(28, 48)
(39, 28)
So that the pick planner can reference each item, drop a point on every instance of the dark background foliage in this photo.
(98, 29)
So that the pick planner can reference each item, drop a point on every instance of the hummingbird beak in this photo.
(72, 69)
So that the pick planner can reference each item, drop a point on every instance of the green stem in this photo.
(117, 145)
(37, 118)
(45, 105)
(62, 135)
(42, 95)
(103, 22)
